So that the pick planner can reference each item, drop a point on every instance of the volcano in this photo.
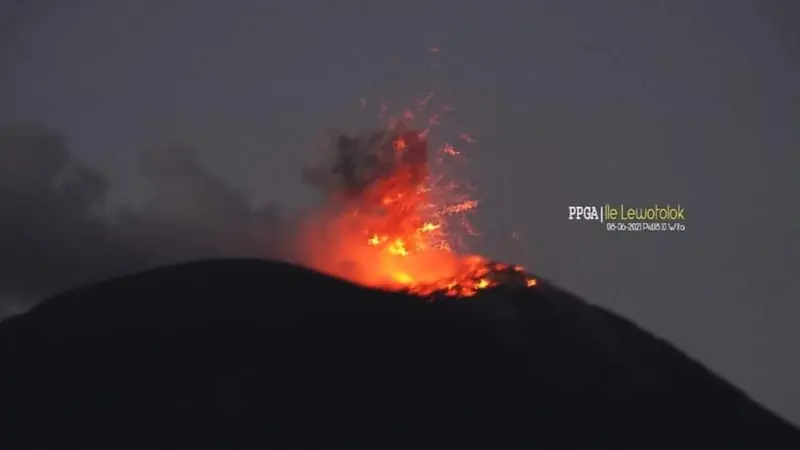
(388, 219)
(240, 354)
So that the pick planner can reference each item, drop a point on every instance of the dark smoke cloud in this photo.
(56, 229)
(360, 161)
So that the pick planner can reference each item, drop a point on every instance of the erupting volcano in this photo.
(390, 217)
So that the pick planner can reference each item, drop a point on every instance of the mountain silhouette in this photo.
(249, 354)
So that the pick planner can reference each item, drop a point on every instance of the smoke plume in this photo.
(57, 230)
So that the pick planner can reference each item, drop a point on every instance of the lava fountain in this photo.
(388, 219)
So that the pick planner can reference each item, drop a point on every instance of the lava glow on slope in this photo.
(390, 218)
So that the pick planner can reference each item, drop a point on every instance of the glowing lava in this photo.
(387, 219)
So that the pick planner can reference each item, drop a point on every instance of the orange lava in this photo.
(392, 227)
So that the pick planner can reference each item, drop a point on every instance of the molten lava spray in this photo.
(387, 219)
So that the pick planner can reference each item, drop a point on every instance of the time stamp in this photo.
(636, 227)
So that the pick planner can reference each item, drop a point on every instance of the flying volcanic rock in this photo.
(390, 216)
(246, 354)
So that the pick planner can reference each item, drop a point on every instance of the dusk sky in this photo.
(570, 102)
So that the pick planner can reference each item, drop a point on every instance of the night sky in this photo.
(569, 102)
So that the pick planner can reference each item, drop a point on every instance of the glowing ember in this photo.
(387, 220)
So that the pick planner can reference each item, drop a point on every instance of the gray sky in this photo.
(570, 102)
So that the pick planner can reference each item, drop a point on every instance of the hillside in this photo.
(235, 354)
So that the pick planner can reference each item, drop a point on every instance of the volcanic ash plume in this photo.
(386, 220)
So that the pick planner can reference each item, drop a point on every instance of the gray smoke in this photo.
(360, 161)
(57, 232)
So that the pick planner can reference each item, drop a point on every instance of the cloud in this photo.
(56, 229)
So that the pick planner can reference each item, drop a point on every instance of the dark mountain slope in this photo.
(252, 354)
